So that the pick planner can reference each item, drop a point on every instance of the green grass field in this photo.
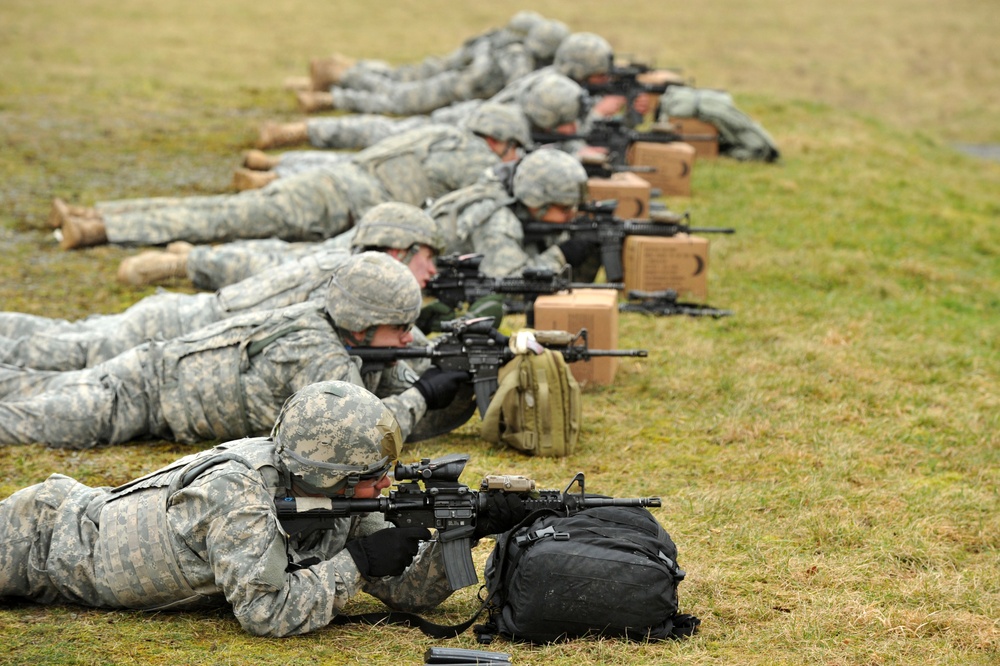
(827, 458)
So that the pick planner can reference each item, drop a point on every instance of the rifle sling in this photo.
(429, 628)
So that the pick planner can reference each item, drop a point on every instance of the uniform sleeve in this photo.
(227, 518)
(500, 240)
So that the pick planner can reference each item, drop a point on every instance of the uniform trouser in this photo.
(17, 324)
(309, 206)
(101, 337)
(28, 519)
(213, 267)
(355, 132)
(114, 402)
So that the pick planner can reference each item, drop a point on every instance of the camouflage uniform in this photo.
(369, 74)
(548, 100)
(222, 381)
(485, 65)
(314, 205)
(208, 538)
(484, 75)
(168, 315)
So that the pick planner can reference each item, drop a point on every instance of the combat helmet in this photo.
(503, 122)
(552, 100)
(369, 289)
(544, 38)
(582, 55)
(331, 435)
(397, 225)
(523, 21)
(549, 176)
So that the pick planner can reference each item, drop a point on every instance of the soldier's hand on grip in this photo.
(502, 512)
(439, 387)
(387, 552)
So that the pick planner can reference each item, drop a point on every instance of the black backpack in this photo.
(608, 571)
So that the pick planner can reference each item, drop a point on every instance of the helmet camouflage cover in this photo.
(330, 435)
(397, 225)
(583, 54)
(544, 38)
(503, 122)
(552, 100)
(372, 288)
(523, 21)
(549, 176)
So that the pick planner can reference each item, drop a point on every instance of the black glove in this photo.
(387, 552)
(502, 512)
(577, 251)
(432, 314)
(439, 387)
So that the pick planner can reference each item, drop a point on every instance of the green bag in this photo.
(536, 408)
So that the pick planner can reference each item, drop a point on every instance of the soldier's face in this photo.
(556, 213)
(390, 335)
(371, 488)
(422, 265)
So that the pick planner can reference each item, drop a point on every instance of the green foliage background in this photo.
(828, 457)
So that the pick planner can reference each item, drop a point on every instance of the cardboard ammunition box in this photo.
(593, 309)
(677, 262)
(631, 191)
(672, 164)
(707, 148)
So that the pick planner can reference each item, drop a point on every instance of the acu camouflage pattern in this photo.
(330, 430)
(168, 315)
(481, 68)
(373, 289)
(228, 379)
(397, 225)
(550, 177)
(548, 100)
(426, 163)
(61, 541)
(503, 122)
(479, 219)
(312, 205)
(582, 55)
(483, 76)
(544, 38)
(212, 267)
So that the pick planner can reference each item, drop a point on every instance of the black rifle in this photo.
(474, 346)
(624, 81)
(599, 225)
(616, 136)
(429, 494)
(460, 282)
(664, 303)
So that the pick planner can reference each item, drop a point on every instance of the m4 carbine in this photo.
(665, 303)
(429, 494)
(614, 135)
(460, 282)
(474, 346)
(599, 225)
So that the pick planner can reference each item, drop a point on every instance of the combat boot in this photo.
(62, 210)
(259, 160)
(248, 179)
(311, 102)
(294, 83)
(276, 135)
(80, 232)
(151, 267)
(327, 72)
(179, 247)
